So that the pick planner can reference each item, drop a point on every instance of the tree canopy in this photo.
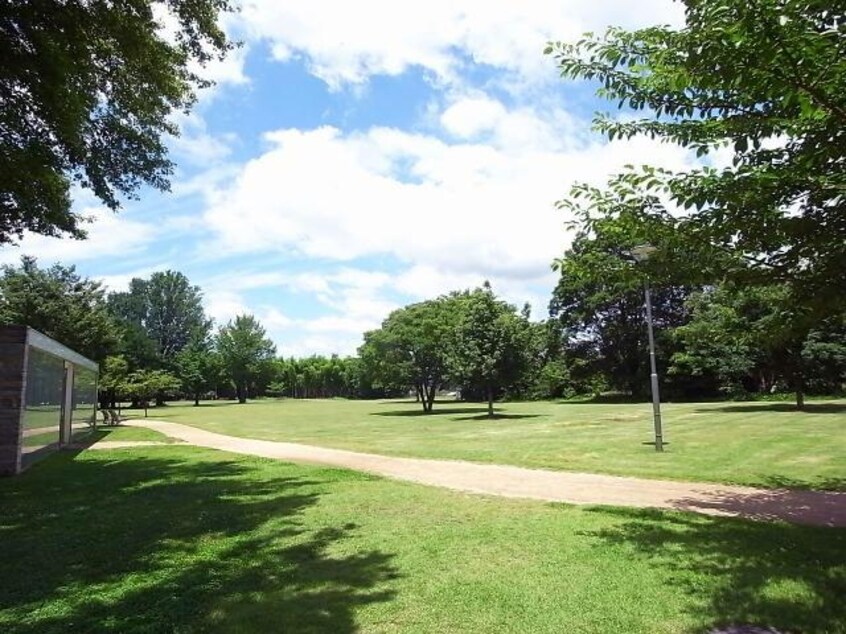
(60, 303)
(244, 348)
(764, 81)
(160, 316)
(86, 93)
(413, 347)
(491, 344)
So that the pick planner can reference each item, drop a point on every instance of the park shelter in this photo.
(48, 397)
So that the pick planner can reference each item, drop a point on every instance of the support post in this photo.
(656, 399)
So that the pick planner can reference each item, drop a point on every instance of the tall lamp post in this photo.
(642, 253)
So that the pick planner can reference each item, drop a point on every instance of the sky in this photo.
(353, 158)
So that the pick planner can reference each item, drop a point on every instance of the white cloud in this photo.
(343, 345)
(195, 145)
(481, 208)
(453, 213)
(346, 43)
(226, 71)
(109, 235)
(120, 282)
(468, 117)
(223, 305)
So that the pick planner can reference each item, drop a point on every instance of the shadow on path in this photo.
(813, 508)
(170, 544)
(765, 574)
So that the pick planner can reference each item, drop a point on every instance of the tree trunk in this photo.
(490, 401)
(430, 397)
(197, 399)
(799, 381)
(242, 394)
(420, 392)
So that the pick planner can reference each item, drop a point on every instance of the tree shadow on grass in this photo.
(810, 408)
(436, 411)
(820, 483)
(175, 544)
(767, 574)
(497, 416)
(455, 413)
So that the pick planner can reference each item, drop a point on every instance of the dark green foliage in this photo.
(413, 347)
(144, 386)
(245, 352)
(753, 339)
(767, 80)
(60, 303)
(491, 348)
(599, 301)
(160, 316)
(86, 90)
(114, 371)
(199, 368)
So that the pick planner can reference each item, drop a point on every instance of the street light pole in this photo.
(639, 254)
(656, 399)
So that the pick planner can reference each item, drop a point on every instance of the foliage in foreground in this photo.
(88, 90)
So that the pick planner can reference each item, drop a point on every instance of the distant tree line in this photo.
(155, 343)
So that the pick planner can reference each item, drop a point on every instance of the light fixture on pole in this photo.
(641, 253)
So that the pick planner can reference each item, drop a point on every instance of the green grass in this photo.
(124, 433)
(760, 444)
(180, 539)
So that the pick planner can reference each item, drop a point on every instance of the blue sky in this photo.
(356, 157)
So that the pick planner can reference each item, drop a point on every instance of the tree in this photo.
(752, 338)
(412, 348)
(160, 316)
(88, 89)
(60, 303)
(114, 372)
(145, 385)
(490, 343)
(199, 368)
(765, 79)
(243, 348)
(599, 303)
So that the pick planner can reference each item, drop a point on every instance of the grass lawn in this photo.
(180, 539)
(761, 444)
(124, 433)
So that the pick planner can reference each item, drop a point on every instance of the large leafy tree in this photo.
(747, 338)
(87, 88)
(199, 368)
(599, 302)
(764, 80)
(413, 347)
(245, 350)
(490, 345)
(161, 316)
(60, 303)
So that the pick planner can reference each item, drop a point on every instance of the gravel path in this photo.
(818, 508)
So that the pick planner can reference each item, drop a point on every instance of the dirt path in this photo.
(818, 508)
